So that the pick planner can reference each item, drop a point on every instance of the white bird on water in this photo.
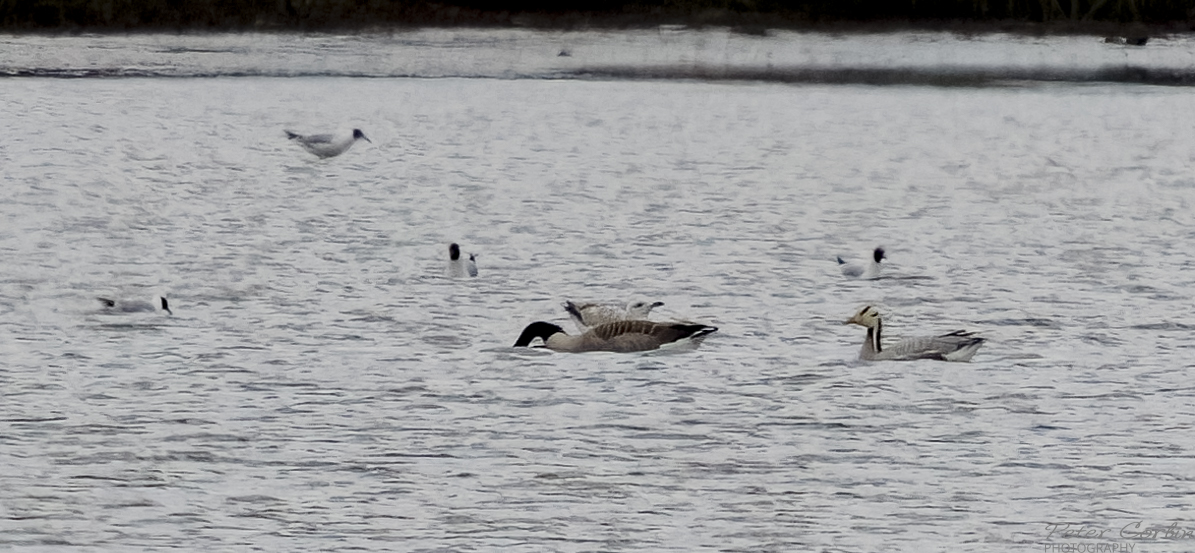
(955, 346)
(587, 315)
(621, 336)
(459, 266)
(869, 271)
(122, 306)
(327, 145)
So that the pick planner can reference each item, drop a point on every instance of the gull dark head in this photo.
(358, 135)
(878, 254)
(454, 251)
(868, 317)
(538, 329)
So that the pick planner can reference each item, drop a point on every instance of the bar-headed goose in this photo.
(133, 306)
(327, 145)
(587, 315)
(459, 266)
(621, 336)
(868, 271)
(956, 346)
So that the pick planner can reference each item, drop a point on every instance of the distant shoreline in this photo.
(80, 16)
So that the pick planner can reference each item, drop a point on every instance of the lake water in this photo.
(322, 386)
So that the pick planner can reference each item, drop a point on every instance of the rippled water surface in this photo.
(322, 386)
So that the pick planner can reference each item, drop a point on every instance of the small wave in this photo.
(878, 76)
(179, 73)
(1168, 325)
(191, 50)
(1030, 321)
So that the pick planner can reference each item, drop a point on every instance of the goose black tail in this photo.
(695, 332)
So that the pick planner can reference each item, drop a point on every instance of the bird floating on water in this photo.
(868, 271)
(122, 306)
(459, 266)
(587, 315)
(327, 145)
(1137, 40)
(955, 346)
(621, 336)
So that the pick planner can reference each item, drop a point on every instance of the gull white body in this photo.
(327, 145)
(460, 266)
(863, 271)
(955, 346)
(135, 306)
(621, 336)
(586, 315)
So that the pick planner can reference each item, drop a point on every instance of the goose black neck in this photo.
(873, 335)
(538, 329)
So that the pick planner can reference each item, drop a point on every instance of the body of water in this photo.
(322, 386)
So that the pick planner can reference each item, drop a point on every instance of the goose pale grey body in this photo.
(621, 336)
(955, 346)
(586, 315)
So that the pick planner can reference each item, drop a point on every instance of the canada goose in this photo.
(621, 336)
(586, 315)
(870, 271)
(458, 266)
(956, 346)
(326, 145)
(135, 306)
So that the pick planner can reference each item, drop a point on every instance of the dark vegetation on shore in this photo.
(1034, 16)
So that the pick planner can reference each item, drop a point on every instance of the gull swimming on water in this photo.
(955, 346)
(621, 336)
(459, 266)
(586, 315)
(870, 271)
(134, 306)
(326, 145)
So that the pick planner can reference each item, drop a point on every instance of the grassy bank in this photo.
(1094, 16)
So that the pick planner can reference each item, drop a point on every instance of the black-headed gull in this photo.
(326, 145)
(868, 271)
(134, 306)
(458, 265)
